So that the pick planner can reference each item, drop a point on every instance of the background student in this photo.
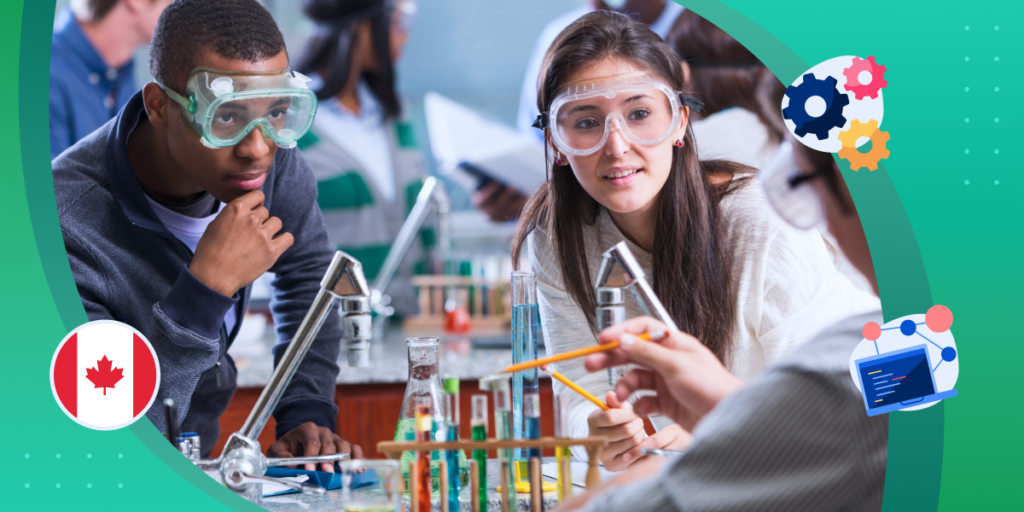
(796, 438)
(91, 66)
(168, 218)
(741, 120)
(364, 155)
(729, 271)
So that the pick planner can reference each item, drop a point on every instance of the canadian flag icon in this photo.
(105, 375)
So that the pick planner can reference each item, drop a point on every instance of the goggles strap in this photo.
(541, 122)
(690, 101)
(179, 99)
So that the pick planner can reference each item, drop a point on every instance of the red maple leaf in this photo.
(104, 377)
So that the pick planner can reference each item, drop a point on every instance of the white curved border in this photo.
(156, 361)
(945, 376)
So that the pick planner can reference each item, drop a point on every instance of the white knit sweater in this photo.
(787, 290)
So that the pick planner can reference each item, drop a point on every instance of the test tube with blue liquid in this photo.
(525, 340)
(451, 425)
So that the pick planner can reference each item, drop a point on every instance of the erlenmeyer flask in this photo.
(424, 381)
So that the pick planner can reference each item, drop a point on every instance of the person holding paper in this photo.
(795, 438)
(729, 271)
(364, 154)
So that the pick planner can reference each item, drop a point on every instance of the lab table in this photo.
(332, 500)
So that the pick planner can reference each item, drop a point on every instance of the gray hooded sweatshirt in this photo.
(128, 267)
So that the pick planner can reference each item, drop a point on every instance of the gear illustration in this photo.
(853, 72)
(832, 118)
(878, 140)
(799, 94)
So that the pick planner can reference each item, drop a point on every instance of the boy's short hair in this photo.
(234, 29)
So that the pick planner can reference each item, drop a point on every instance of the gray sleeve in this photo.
(310, 396)
(183, 353)
(797, 441)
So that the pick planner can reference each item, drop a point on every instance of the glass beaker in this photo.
(370, 486)
(424, 381)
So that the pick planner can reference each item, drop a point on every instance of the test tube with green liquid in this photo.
(501, 386)
(479, 424)
(451, 425)
(562, 455)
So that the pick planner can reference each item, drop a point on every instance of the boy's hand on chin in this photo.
(240, 245)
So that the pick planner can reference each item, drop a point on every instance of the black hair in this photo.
(329, 51)
(233, 29)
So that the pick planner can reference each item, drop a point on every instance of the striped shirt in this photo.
(797, 438)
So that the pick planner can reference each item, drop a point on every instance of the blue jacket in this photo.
(84, 91)
(129, 268)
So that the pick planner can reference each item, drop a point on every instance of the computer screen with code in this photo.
(897, 378)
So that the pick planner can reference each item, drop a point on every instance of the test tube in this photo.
(451, 425)
(531, 425)
(423, 434)
(479, 424)
(502, 389)
(526, 335)
(562, 455)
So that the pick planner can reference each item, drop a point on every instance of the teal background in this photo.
(940, 216)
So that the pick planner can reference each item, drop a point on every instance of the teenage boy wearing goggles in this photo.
(172, 209)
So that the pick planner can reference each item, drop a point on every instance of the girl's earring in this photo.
(680, 143)
(558, 160)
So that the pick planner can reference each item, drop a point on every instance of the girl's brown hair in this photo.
(691, 260)
(724, 74)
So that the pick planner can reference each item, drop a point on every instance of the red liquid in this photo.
(423, 458)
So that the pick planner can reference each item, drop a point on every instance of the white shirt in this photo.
(786, 284)
(735, 134)
(189, 230)
(364, 137)
(528, 96)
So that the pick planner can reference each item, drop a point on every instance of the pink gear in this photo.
(853, 81)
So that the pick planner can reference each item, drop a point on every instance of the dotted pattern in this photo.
(78, 471)
(975, 73)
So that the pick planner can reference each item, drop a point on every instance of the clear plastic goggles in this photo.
(788, 191)
(222, 107)
(646, 110)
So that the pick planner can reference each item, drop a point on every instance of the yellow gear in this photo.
(856, 158)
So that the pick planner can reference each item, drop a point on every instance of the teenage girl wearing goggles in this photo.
(729, 271)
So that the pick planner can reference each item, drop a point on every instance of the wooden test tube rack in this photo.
(593, 445)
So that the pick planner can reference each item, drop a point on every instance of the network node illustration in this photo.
(909, 363)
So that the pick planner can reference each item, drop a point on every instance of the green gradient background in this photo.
(958, 455)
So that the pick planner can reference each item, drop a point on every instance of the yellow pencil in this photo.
(572, 354)
(572, 385)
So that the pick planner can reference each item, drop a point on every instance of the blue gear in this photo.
(832, 118)
(798, 96)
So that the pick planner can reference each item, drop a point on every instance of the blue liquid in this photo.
(533, 432)
(525, 338)
(452, 456)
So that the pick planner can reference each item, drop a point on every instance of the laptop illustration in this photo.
(895, 380)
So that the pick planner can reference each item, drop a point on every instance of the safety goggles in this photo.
(222, 107)
(644, 109)
(788, 191)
